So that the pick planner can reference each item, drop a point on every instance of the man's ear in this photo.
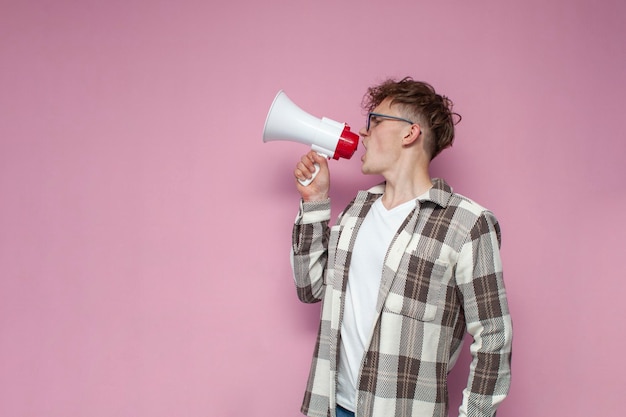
(413, 135)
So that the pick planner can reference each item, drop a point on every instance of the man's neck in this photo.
(398, 191)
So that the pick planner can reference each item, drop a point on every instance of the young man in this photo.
(408, 268)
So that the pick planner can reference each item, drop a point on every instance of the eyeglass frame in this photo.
(384, 116)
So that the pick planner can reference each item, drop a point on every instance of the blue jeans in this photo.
(342, 412)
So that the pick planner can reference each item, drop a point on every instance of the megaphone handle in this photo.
(306, 182)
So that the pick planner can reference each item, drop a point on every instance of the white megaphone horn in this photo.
(286, 121)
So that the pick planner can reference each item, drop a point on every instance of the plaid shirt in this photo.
(442, 275)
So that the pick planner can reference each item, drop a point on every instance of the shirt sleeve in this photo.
(309, 251)
(479, 276)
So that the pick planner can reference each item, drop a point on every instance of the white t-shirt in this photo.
(370, 248)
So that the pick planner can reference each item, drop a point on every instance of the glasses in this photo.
(371, 115)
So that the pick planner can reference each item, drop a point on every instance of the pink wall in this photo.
(144, 226)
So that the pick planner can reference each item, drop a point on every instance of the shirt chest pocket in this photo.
(418, 289)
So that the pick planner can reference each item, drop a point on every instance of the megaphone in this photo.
(286, 121)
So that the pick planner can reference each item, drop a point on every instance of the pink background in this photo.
(145, 227)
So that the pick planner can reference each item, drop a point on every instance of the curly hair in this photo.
(432, 111)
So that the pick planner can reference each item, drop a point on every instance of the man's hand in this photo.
(318, 189)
